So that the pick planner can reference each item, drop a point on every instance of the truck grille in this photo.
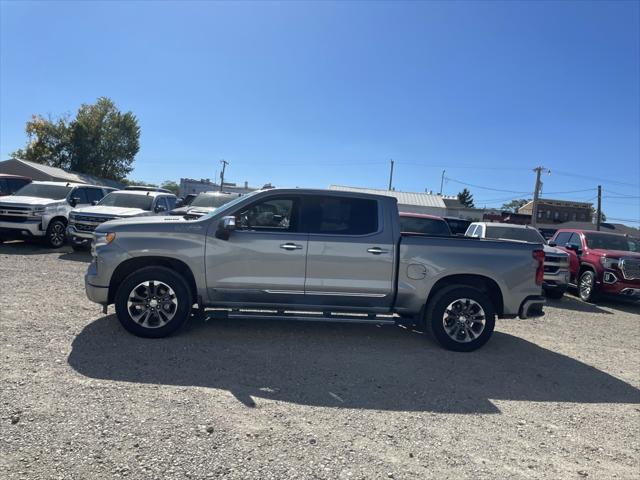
(553, 263)
(630, 268)
(87, 223)
(13, 218)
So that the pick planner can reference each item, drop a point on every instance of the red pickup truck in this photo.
(600, 263)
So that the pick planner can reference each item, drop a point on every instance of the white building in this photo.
(191, 185)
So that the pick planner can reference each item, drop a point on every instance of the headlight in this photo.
(36, 213)
(610, 263)
(101, 240)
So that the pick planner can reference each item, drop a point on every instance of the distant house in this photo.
(421, 202)
(45, 173)
(194, 186)
(559, 211)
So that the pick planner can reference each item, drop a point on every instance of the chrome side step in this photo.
(302, 316)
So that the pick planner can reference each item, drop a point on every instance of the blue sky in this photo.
(309, 94)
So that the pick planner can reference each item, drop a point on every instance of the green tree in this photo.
(139, 183)
(514, 205)
(171, 185)
(100, 141)
(465, 198)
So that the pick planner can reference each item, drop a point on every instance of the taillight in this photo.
(539, 256)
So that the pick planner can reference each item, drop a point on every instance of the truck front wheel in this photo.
(460, 318)
(153, 302)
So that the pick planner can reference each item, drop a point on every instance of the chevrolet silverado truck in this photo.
(205, 202)
(126, 203)
(311, 255)
(40, 210)
(556, 261)
(600, 263)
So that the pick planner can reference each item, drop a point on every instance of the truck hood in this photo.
(33, 201)
(613, 253)
(110, 211)
(554, 250)
(180, 210)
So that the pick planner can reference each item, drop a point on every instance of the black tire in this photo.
(587, 290)
(438, 307)
(157, 325)
(55, 236)
(79, 246)
(555, 293)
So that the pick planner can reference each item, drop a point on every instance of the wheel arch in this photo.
(130, 266)
(480, 282)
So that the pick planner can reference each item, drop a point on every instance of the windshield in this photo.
(43, 190)
(607, 242)
(428, 226)
(211, 200)
(127, 200)
(634, 244)
(520, 234)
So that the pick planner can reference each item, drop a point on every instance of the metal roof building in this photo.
(45, 173)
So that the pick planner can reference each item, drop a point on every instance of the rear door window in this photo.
(333, 215)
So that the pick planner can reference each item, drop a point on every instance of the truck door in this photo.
(350, 262)
(572, 244)
(263, 261)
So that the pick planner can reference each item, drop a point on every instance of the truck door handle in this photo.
(377, 250)
(290, 246)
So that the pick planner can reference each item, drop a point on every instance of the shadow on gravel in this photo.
(35, 247)
(342, 366)
(74, 256)
(613, 303)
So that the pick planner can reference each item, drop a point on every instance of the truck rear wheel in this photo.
(153, 302)
(460, 318)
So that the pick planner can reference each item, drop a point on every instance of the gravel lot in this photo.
(556, 397)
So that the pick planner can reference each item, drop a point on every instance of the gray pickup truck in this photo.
(311, 255)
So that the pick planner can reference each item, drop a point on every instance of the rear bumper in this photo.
(532, 307)
(21, 229)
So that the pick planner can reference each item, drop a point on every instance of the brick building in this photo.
(559, 211)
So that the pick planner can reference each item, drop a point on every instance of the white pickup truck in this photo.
(40, 210)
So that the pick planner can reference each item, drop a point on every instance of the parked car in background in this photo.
(119, 204)
(147, 188)
(457, 225)
(600, 263)
(425, 224)
(311, 255)
(205, 203)
(40, 210)
(9, 184)
(186, 200)
(556, 261)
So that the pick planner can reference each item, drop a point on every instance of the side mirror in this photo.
(95, 202)
(73, 201)
(225, 227)
(160, 208)
(552, 244)
(575, 248)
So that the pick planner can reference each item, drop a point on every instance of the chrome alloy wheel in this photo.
(464, 320)
(586, 285)
(56, 235)
(152, 304)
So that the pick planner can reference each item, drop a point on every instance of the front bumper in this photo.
(74, 232)
(532, 307)
(30, 228)
(95, 293)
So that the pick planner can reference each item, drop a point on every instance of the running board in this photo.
(302, 316)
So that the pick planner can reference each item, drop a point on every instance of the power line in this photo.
(597, 179)
(449, 179)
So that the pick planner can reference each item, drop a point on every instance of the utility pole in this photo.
(536, 195)
(224, 166)
(391, 175)
(442, 181)
(599, 211)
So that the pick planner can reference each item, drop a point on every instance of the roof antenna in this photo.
(148, 192)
